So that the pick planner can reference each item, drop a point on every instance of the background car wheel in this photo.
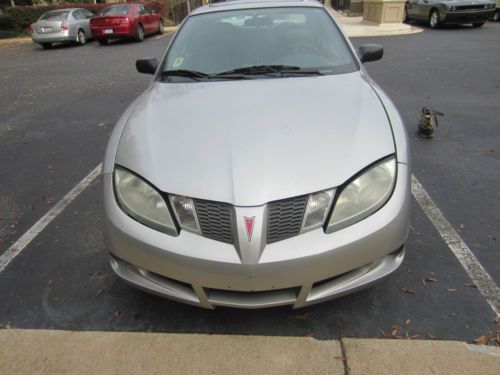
(103, 42)
(140, 34)
(81, 38)
(46, 45)
(434, 20)
(479, 24)
(496, 16)
(161, 28)
(405, 16)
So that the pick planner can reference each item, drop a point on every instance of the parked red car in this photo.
(125, 20)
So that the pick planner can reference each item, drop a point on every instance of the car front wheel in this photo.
(434, 20)
(161, 28)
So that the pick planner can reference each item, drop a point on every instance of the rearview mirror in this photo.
(147, 66)
(370, 52)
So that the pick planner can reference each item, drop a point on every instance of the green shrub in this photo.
(8, 23)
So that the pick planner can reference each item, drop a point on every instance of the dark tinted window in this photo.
(57, 15)
(115, 10)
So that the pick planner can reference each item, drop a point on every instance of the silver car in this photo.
(62, 25)
(261, 167)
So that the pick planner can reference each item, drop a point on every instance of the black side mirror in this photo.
(370, 52)
(147, 66)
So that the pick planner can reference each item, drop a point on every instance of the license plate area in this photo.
(46, 29)
(108, 31)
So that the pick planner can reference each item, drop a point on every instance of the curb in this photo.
(50, 351)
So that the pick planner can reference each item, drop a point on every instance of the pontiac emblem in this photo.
(249, 221)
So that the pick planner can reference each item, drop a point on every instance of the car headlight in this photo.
(185, 212)
(142, 202)
(318, 206)
(452, 8)
(364, 195)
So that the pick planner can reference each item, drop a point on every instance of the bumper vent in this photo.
(216, 220)
(285, 218)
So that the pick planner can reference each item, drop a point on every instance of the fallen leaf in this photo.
(461, 226)
(451, 290)
(340, 358)
(471, 285)
(413, 337)
(482, 340)
(408, 290)
(431, 279)
(50, 283)
(429, 335)
(407, 322)
(302, 317)
(382, 332)
(411, 227)
(47, 198)
(100, 291)
(116, 312)
(307, 334)
(497, 319)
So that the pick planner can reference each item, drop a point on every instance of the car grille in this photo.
(285, 218)
(216, 220)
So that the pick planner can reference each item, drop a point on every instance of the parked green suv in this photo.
(439, 12)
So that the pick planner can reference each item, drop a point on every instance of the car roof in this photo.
(250, 4)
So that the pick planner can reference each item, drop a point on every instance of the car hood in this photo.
(249, 142)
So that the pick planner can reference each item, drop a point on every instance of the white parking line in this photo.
(40, 225)
(469, 262)
(162, 36)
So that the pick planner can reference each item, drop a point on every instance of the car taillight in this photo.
(64, 25)
(30, 29)
(125, 20)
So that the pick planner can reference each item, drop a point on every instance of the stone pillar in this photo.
(383, 11)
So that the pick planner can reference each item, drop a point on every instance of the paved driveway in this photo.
(57, 108)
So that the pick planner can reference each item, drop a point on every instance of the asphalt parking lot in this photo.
(58, 106)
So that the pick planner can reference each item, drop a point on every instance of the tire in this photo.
(434, 20)
(82, 39)
(161, 27)
(102, 42)
(46, 45)
(140, 34)
(478, 24)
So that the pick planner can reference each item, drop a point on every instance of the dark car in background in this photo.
(439, 12)
(125, 20)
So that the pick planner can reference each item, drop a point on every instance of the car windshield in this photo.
(259, 41)
(115, 10)
(55, 16)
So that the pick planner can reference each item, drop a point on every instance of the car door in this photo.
(416, 9)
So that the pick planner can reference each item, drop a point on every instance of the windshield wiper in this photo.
(184, 73)
(259, 69)
(306, 72)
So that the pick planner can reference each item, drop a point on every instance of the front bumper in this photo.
(61, 36)
(299, 271)
(468, 16)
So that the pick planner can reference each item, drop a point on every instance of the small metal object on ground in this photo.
(427, 122)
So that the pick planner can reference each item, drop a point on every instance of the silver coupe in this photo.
(261, 167)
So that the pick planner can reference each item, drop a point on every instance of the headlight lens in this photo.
(364, 195)
(318, 206)
(185, 212)
(142, 202)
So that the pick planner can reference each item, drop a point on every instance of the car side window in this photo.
(77, 15)
(141, 10)
(88, 14)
